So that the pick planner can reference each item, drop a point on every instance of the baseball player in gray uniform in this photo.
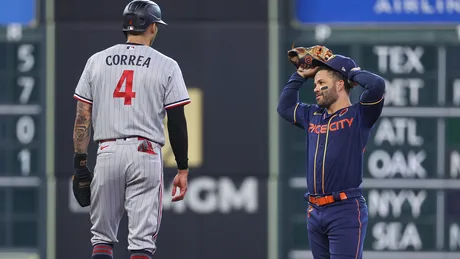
(123, 94)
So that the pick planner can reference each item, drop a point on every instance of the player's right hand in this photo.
(180, 181)
(307, 72)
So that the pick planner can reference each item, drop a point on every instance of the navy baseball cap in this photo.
(341, 64)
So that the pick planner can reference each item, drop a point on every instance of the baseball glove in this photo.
(81, 180)
(305, 57)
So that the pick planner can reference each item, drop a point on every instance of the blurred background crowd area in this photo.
(247, 181)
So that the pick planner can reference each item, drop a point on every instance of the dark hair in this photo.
(337, 76)
(135, 33)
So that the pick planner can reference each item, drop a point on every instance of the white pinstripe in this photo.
(127, 180)
(160, 201)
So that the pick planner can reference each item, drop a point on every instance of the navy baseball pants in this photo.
(337, 230)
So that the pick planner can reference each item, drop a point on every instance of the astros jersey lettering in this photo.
(130, 86)
(337, 142)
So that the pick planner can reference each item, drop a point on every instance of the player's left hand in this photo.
(180, 181)
(81, 180)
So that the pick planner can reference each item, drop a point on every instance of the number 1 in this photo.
(128, 94)
(24, 159)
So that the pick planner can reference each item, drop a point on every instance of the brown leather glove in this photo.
(305, 57)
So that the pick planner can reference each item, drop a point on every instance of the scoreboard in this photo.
(22, 142)
(412, 161)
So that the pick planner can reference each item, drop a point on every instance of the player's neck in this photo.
(138, 40)
(338, 105)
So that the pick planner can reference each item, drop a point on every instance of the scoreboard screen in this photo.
(412, 160)
(379, 13)
(23, 12)
(22, 142)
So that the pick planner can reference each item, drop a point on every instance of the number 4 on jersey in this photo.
(128, 94)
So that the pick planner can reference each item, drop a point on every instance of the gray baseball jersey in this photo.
(130, 86)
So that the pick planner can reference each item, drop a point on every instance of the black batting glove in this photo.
(81, 170)
(82, 180)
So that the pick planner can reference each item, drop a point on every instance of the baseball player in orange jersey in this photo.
(125, 92)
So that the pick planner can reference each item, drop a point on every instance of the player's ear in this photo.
(150, 29)
(340, 85)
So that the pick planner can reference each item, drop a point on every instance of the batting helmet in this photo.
(139, 14)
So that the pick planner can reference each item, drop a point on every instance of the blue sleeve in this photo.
(289, 107)
(371, 100)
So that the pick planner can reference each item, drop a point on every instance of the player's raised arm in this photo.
(372, 99)
(289, 106)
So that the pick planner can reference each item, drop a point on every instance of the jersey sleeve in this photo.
(371, 101)
(83, 89)
(370, 112)
(176, 93)
(289, 106)
(301, 115)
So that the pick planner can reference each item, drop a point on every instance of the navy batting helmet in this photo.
(139, 14)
